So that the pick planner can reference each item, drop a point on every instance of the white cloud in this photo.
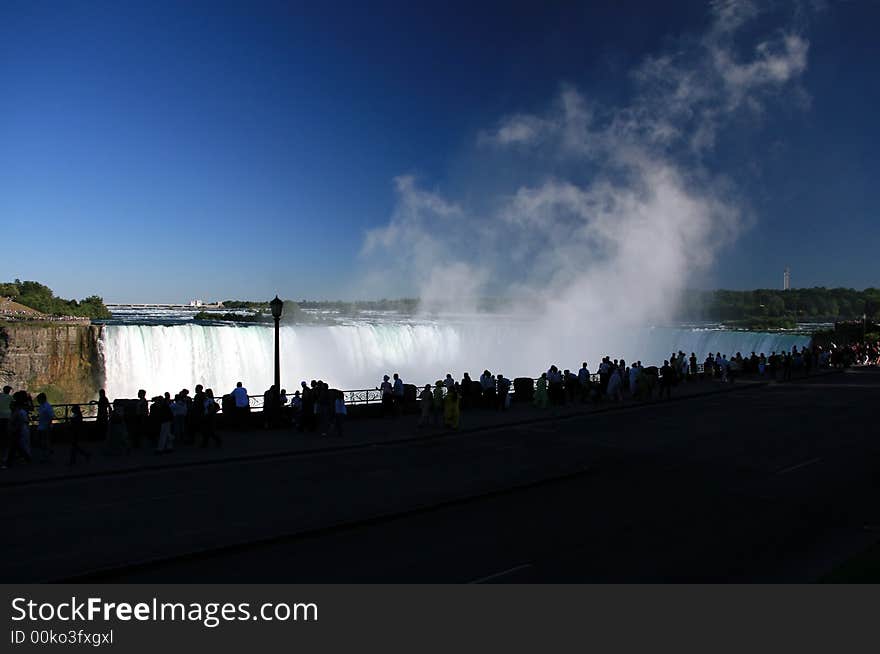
(620, 212)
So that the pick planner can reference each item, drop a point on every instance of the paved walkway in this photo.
(359, 433)
(769, 482)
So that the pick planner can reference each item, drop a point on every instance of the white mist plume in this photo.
(635, 214)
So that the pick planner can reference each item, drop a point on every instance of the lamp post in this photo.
(277, 306)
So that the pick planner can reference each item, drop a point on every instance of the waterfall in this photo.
(161, 358)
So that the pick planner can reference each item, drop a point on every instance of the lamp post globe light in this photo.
(277, 306)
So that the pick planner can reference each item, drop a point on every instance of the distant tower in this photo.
(786, 279)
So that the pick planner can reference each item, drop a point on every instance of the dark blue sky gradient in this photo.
(217, 150)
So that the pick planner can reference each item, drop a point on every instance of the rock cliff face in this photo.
(61, 360)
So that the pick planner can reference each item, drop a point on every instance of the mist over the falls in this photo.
(594, 214)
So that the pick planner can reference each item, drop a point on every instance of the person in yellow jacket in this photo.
(452, 405)
(541, 398)
(438, 402)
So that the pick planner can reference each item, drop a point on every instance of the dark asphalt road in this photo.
(775, 483)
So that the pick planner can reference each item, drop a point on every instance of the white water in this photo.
(167, 358)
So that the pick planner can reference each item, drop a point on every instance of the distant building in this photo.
(196, 303)
(786, 279)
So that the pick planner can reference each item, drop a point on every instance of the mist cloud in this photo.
(635, 214)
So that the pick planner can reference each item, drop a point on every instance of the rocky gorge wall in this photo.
(61, 360)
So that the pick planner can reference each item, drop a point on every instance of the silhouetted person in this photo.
(209, 419)
(283, 408)
(426, 403)
(387, 397)
(326, 405)
(503, 386)
(296, 410)
(242, 405)
(541, 399)
(5, 414)
(271, 406)
(487, 384)
(179, 410)
(118, 435)
(163, 416)
(196, 413)
(572, 386)
(554, 380)
(103, 420)
(467, 390)
(75, 432)
(19, 430)
(584, 382)
(666, 380)
(140, 430)
(615, 385)
(438, 407)
(308, 408)
(339, 412)
(397, 392)
(452, 407)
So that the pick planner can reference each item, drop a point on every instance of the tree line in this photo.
(772, 307)
(41, 298)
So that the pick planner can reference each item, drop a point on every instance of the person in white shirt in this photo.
(584, 381)
(634, 379)
(46, 415)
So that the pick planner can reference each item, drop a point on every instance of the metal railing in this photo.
(357, 397)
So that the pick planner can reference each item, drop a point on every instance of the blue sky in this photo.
(163, 152)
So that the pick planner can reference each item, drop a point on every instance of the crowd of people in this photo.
(613, 380)
(163, 421)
